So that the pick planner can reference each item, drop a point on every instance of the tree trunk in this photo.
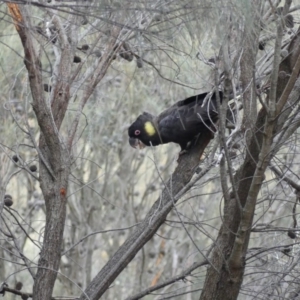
(54, 155)
(224, 278)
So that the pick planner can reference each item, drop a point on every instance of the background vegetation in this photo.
(92, 217)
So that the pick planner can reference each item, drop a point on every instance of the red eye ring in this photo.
(137, 132)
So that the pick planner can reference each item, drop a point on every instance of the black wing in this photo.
(187, 118)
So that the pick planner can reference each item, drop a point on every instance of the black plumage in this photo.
(181, 123)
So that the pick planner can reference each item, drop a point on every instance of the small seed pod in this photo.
(47, 87)
(287, 250)
(33, 168)
(15, 158)
(139, 63)
(212, 60)
(85, 47)
(291, 233)
(126, 55)
(97, 53)
(76, 59)
(19, 286)
(198, 170)
(262, 45)
(126, 46)
(289, 21)
(84, 21)
(8, 200)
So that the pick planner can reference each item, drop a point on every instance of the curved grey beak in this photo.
(136, 143)
(133, 142)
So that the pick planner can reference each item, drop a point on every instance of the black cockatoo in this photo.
(181, 123)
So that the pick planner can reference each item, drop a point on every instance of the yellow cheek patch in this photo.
(149, 128)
